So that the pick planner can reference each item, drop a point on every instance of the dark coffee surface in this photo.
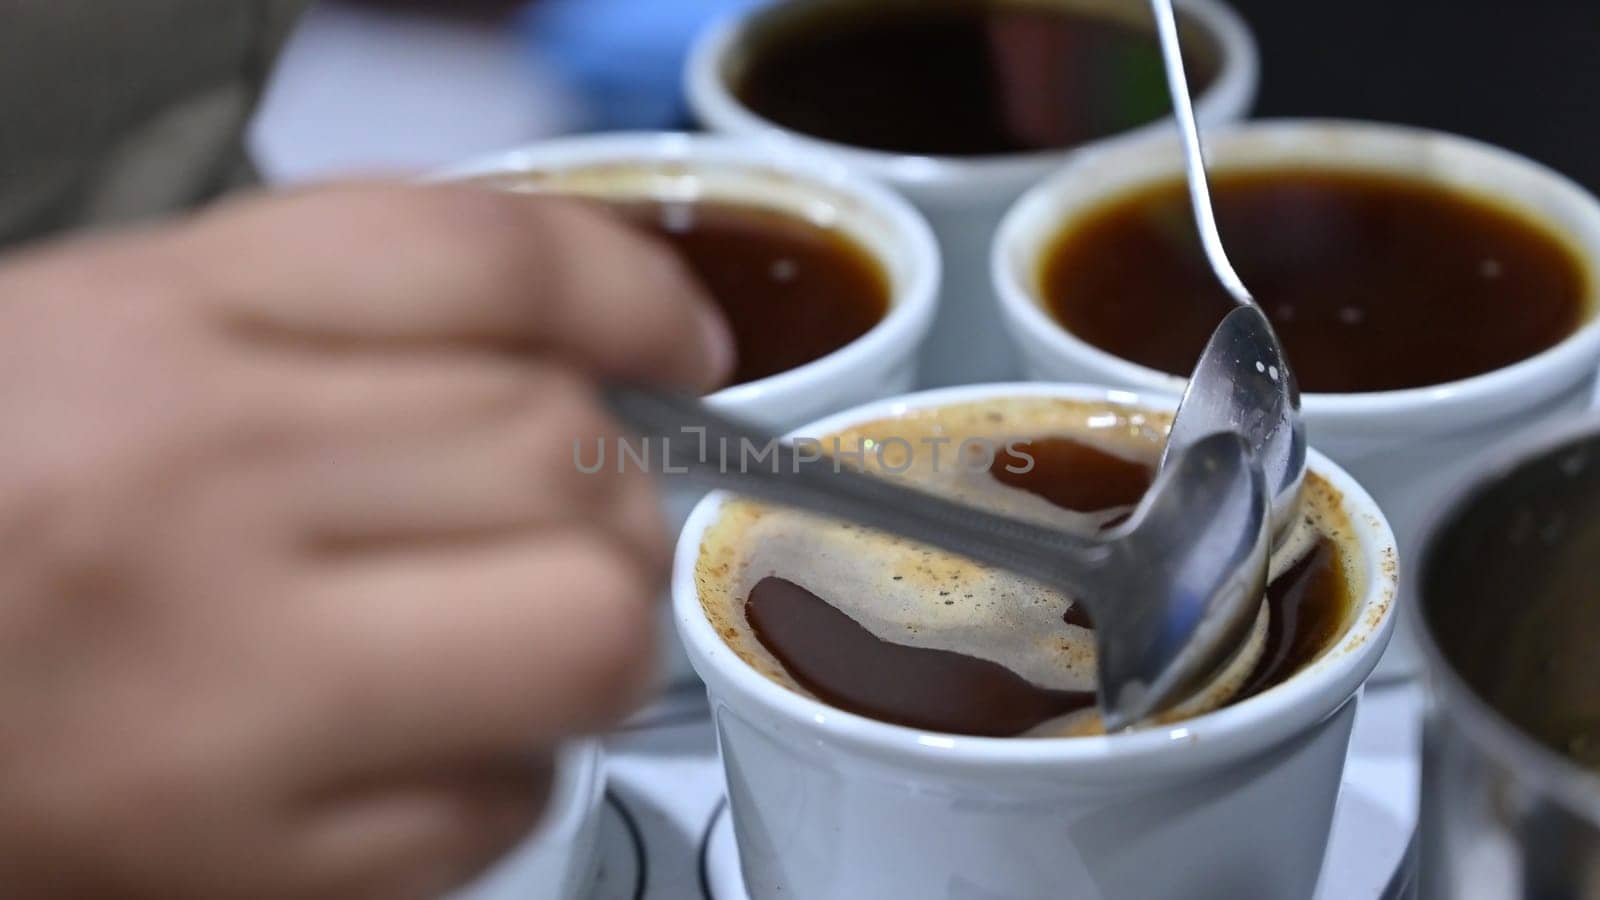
(792, 291)
(1107, 481)
(957, 77)
(1373, 283)
(843, 664)
(1308, 608)
(849, 667)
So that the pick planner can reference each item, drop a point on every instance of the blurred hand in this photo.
(299, 582)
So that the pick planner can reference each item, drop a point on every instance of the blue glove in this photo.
(624, 58)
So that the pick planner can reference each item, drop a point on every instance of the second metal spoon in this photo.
(1242, 382)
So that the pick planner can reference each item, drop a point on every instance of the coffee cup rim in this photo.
(911, 305)
(715, 105)
(1463, 400)
(1235, 730)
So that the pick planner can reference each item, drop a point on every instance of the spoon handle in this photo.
(1199, 190)
(824, 486)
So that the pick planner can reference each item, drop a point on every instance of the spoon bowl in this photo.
(1243, 385)
(1193, 570)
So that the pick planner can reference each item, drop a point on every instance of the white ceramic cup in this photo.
(1233, 804)
(1402, 444)
(559, 860)
(786, 179)
(964, 198)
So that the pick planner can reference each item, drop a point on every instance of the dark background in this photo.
(1524, 74)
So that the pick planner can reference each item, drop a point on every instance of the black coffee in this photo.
(957, 77)
(1373, 283)
(896, 631)
(792, 291)
(846, 665)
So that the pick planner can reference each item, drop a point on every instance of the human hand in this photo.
(300, 582)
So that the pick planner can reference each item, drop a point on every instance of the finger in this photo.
(393, 394)
(534, 462)
(430, 655)
(450, 264)
(424, 837)
(473, 487)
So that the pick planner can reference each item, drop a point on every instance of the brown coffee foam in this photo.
(909, 594)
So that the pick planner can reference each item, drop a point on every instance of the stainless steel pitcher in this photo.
(1509, 628)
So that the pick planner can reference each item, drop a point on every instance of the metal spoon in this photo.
(1242, 382)
(1170, 591)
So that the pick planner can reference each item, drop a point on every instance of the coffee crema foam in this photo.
(907, 594)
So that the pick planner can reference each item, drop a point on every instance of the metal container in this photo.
(1509, 628)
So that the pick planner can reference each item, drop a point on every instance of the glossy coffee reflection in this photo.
(1372, 282)
(792, 290)
(958, 77)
